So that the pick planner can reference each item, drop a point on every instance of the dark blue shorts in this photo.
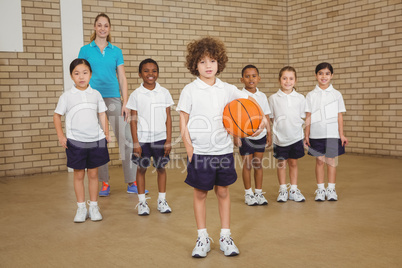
(82, 155)
(249, 146)
(293, 151)
(155, 150)
(330, 148)
(206, 171)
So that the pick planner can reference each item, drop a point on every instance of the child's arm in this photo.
(344, 140)
(263, 123)
(104, 124)
(59, 130)
(269, 134)
(168, 143)
(184, 118)
(307, 129)
(133, 126)
(237, 141)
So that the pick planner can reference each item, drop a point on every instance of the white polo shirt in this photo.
(324, 106)
(205, 104)
(151, 109)
(262, 100)
(81, 108)
(287, 112)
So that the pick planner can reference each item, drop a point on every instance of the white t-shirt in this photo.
(151, 109)
(262, 100)
(324, 106)
(287, 112)
(205, 104)
(82, 108)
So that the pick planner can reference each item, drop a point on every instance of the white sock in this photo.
(331, 185)
(81, 205)
(258, 191)
(225, 232)
(202, 232)
(162, 196)
(141, 197)
(283, 187)
(293, 187)
(249, 191)
(321, 186)
(93, 203)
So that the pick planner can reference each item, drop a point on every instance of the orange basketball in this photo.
(242, 117)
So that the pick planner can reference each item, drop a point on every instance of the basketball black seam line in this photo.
(249, 117)
(235, 122)
(258, 109)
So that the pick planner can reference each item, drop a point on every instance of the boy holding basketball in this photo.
(252, 149)
(209, 148)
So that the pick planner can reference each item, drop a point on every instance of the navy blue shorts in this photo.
(82, 155)
(206, 171)
(249, 146)
(293, 151)
(156, 150)
(330, 148)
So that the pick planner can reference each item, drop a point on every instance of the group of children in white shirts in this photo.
(209, 148)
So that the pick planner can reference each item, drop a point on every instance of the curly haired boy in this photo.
(209, 147)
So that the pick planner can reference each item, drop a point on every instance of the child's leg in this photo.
(93, 184)
(320, 169)
(331, 169)
(246, 163)
(258, 172)
(161, 180)
(79, 175)
(281, 171)
(222, 193)
(293, 171)
(200, 198)
(141, 179)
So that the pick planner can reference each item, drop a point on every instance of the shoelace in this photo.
(261, 195)
(163, 202)
(143, 204)
(282, 191)
(227, 239)
(319, 191)
(297, 192)
(250, 195)
(81, 210)
(200, 243)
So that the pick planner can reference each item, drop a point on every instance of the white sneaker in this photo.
(163, 206)
(331, 194)
(202, 246)
(94, 213)
(81, 215)
(227, 246)
(320, 195)
(261, 200)
(250, 200)
(283, 195)
(296, 195)
(143, 209)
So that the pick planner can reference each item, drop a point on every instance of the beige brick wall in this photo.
(361, 38)
(363, 42)
(32, 81)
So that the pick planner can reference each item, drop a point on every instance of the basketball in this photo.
(242, 117)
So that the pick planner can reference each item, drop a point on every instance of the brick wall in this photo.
(362, 39)
(363, 42)
(32, 81)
